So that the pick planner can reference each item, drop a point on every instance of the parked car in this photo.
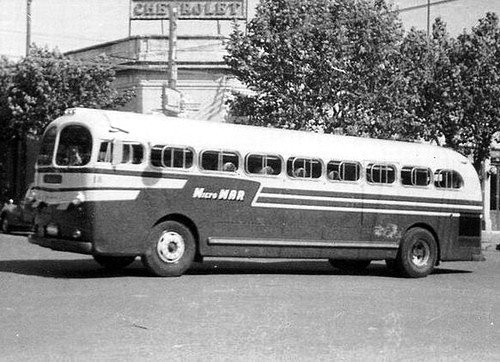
(18, 216)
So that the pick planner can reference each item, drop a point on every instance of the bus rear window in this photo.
(75, 146)
(47, 148)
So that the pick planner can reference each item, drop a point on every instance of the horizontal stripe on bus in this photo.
(344, 201)
(106, 171)
(300, 243)
(355, 209)
(164, 183)
(368, 196)
(64, 198)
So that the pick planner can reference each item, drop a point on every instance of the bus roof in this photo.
(159, 129)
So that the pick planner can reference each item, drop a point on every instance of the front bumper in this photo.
(80, 247)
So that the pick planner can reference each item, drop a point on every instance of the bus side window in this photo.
(224, 161)
(132, 153)
(380, 173)
(448, 179)
(304, 168)
(105, 152)
(263, 164)
(177, 157)
(416, 176)
(343, 171)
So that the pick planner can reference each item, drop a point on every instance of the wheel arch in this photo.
(434, 235)
(189, 223)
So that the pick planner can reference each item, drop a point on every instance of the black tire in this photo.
(170, 249)
(417, 254)
(5, 225)
(351, 266)
(114, 262)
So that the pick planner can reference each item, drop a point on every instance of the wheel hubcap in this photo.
(170, 246)
(420, 253)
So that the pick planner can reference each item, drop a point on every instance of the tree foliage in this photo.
(46, 83)
(38, 89)
(347, 66)
(458, 86)
(321, 65)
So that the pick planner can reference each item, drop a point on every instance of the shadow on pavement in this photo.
(88, 269)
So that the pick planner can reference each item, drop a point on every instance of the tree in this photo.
(6, 131)
(322, 65)
(38, 89)
(458, 86)
(46, 83)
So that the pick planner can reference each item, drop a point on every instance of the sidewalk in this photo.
(490, 240)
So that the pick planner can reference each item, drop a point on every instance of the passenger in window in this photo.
(267, 170)
(299, 172)
(334, 175)
(229, 167)
(74, 157)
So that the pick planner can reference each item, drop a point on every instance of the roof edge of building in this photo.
(138, 37)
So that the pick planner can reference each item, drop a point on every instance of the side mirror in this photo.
(117, 152)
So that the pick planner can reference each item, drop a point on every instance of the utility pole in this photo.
(172, 48)
(428, 18)
(28, 26)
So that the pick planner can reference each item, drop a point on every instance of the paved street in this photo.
(64, 306)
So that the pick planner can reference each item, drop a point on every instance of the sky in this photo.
(74, 24)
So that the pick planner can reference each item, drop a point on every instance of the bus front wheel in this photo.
(417, 254)
(170, 249)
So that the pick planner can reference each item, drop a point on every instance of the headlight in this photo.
(79, 199)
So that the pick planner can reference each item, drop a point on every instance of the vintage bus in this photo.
(119, 185)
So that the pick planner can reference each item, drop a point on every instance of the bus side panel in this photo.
(464, 239)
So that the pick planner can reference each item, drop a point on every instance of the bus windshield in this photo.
(75, 146)
(47, 147)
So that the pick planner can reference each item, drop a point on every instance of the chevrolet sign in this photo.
(188, 9)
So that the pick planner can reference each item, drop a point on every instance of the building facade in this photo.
(142, 64)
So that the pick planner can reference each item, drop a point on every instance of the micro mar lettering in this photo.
(223, 194)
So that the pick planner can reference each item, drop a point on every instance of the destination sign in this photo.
(188, 9)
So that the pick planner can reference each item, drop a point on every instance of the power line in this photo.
(416, 7)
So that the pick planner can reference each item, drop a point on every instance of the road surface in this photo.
(61, 306)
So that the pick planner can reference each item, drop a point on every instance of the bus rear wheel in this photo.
(417, 254)
(170, 249)
(114, 262)
(351, 266)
